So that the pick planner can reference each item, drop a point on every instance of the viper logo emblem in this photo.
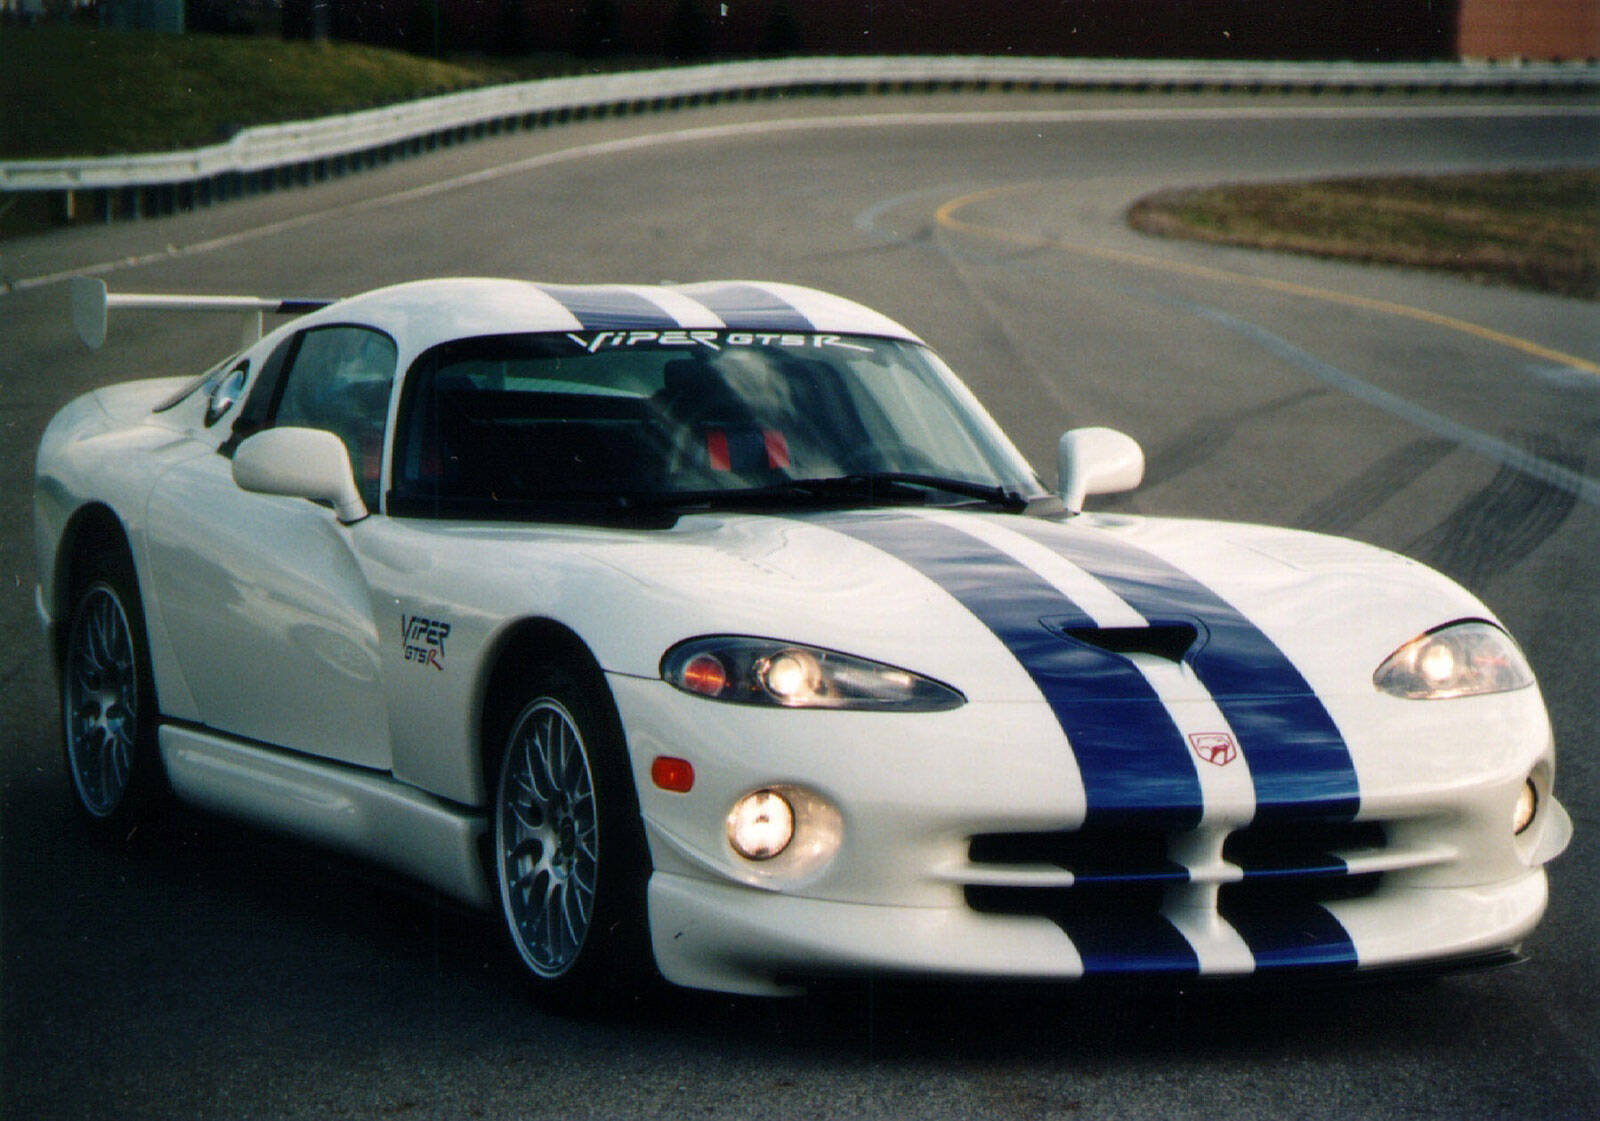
(1215, 747)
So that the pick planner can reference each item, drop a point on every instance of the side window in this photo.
(339, 380)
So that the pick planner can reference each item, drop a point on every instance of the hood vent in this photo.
(1165, 640)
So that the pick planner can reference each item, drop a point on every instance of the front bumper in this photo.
(732, 938)
(958, 849)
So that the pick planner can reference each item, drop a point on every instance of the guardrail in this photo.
(270, 156)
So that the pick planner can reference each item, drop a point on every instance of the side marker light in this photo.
(670, 773)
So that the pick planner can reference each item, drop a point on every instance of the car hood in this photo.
(980, 600)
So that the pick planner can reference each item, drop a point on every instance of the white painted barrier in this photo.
(263, 155)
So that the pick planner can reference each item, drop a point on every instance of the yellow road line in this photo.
(945, 217)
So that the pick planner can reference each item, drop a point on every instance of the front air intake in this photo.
(1170, 641)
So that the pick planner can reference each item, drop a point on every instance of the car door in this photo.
(263, 597)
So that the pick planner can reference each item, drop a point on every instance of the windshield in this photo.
(690, 417)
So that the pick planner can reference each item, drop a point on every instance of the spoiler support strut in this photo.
(91, 303)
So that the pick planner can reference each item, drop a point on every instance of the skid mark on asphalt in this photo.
(945, 217)
(918, 238)
(1495, 529)
(1202, 440)
(997, 335)
(1509, 455)
(1377, 484)
(870, 221)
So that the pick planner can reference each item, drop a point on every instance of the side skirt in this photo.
(360, 812)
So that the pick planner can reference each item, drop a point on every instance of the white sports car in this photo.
(716, 631)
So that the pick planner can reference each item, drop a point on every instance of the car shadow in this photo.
(1002, 1021)
(328, 900)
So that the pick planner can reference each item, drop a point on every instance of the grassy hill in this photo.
(73, 91)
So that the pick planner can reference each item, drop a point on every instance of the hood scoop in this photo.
(1170, 640)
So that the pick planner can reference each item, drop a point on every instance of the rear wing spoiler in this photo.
(91, 303)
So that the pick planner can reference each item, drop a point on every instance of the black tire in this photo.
(568, 854)
(108, 703)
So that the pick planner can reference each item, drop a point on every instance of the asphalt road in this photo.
(207, 972)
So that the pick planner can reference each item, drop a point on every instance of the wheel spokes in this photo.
(100, 701)
(548, 838)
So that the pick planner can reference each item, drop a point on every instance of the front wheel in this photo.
(570, 861)
(108, 709)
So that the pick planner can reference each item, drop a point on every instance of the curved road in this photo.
(211, 973)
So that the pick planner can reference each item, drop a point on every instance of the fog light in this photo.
(761, 825)
(1527, 807)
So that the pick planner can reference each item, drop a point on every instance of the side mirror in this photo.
(1097, 461)
(300, 463)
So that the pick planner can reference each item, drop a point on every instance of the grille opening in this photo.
(1303, 848)
(1089, 854)
(1121, 871)
(1115, 931)
(1282, 896)
(1111, 904)
(1122, 876)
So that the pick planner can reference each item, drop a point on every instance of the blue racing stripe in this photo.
(610, 309)
(1292, 936)
(745, 307)
(1298, 759)
(1135, 764)
(1115, 941)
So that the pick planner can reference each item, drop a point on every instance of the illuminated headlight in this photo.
(763, 671)
(1459, 660)
(761, 825)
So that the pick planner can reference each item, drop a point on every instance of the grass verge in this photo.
(1530, 229)
(77, 91)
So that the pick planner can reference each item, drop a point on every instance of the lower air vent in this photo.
(1099, 854)
(1285, 865)
(1301, 849)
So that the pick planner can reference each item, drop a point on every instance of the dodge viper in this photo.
(714, 632)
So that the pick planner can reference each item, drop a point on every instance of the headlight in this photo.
(1459, 660)
(763, 671)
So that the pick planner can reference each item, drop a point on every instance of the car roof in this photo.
(425, 313)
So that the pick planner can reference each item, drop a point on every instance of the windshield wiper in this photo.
(869, 481)
(873, 486)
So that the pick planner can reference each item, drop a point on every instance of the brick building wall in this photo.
(1538, 29)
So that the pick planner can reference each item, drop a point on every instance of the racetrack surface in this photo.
(208, 972)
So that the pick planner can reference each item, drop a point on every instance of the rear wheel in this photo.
(108, 708)
(570, 861)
